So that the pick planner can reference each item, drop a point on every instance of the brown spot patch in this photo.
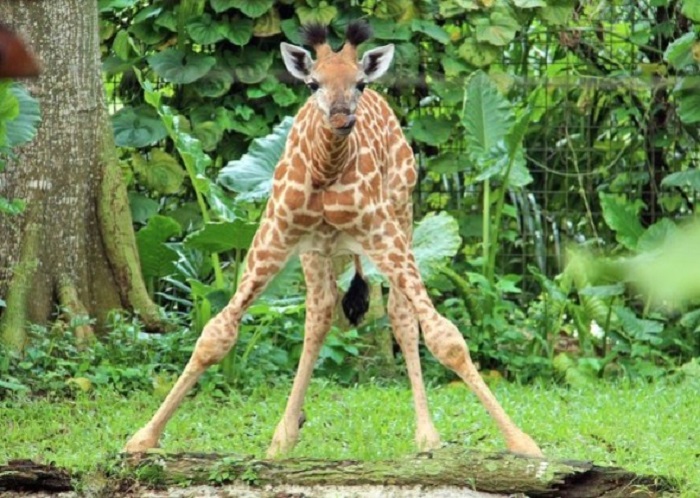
(294, 199)
(341, 217)
(304, 220)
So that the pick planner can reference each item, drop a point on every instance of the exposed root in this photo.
(78, 313)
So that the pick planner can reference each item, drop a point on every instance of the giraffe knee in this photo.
(446, 343)
(214, 343)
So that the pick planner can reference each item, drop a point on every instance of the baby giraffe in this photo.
(343, 185)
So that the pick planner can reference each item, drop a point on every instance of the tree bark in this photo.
(459, 471)
(74, 245)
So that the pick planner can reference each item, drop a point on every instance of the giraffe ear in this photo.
(375, 62)
(297, 60)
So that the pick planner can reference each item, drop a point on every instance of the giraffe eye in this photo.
(361, 86)
(313, 86)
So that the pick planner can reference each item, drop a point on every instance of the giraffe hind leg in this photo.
(443, 339)
(405, 327)
(321, 295)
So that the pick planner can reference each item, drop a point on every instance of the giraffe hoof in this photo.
(427, 439)
(522, 444)
(142, 441)
(279, 449)
(283, 441)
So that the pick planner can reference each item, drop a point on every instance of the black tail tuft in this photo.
(356, 300)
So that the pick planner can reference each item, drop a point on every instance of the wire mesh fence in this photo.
(604, 122)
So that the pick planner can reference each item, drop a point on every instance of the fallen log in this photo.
(448, 472)
(451, 467)
(26, 475)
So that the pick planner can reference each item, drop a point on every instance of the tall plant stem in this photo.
(500, 200)
(486, 229)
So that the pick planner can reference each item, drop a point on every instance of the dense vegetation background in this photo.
(557, 142)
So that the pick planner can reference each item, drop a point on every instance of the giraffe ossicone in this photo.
(342, 185)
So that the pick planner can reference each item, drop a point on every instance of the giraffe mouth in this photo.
(342, 124)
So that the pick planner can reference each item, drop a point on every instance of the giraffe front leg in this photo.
(265, 259)
(387, 247)
(321, 294)
(405, 327)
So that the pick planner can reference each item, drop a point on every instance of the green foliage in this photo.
(137, 127)
(534, 129)
(251, 175)
(19, 119)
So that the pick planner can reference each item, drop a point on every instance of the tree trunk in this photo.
(74, 245)
(446, 472)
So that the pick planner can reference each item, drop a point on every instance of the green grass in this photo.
(649, 428)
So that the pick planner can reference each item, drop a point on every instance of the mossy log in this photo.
(28, 476)
(446, 472)
(496, 474)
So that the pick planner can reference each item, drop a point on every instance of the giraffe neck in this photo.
(330, 153)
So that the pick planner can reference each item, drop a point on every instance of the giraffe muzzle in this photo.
(342, 124)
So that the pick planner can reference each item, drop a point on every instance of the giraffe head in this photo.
(337, 79)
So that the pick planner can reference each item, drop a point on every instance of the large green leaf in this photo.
(657, 235)
(160, 172)
(251, 65)
(157, 259)
(9, 108)
(557, 12)
(216, 83)
(251, 175)
(688, 178)
(268, 24)
(691, 10)
(238, 31)
(498, 29)
(137, 127)
(431, 29)
(222, 236)
(323, 13)
(680, 53)
(387, 29)
(221, 5)
(478, 54)
(453, 8)
(251, 8)
(496, 163)
(435, 240)
(621, 215)
(205, 29)
(448, 162)
(487, 116)
(115, 5)
(23, 127)
(687, 94)
(433, 130)
(177, 66)
(638, 328)
(209, 133)
(142, 207)
(190, 149)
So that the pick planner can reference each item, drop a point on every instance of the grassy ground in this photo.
(645, 428)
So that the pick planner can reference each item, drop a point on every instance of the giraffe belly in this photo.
(329, 243)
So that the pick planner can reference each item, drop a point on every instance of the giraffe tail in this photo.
(356, 299)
